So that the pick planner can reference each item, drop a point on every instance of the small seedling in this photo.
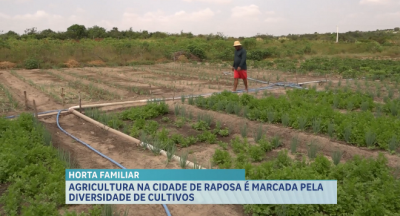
(336, 157)
(176, 110)
(294, 144)
(393, 144)
(370, 138)
(347, 133)
(258, 134)
(165, 119)
(331, 129)
(285, 120)
(183, 160)
(316, 125)
(271, 116)
(302, 123)
(364, 106)
(312, 150)
(276, 142)
(243, 130)
(195, 164)
(170, 152)
(156, 147)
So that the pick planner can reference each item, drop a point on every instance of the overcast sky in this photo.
(231, 17)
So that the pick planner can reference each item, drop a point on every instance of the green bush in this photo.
(196, 50)
(31, 63)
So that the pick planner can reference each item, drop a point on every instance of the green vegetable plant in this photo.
(222, 158)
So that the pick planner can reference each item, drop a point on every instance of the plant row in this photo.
(345, 99)
(358, 128)
(140, 125)
(7, 101)
(33, 168)
(356, 178)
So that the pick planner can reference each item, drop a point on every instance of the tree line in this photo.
(77, 32)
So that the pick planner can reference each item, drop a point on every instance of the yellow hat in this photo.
(237, 43)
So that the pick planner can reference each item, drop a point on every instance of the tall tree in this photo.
(96, 32)
(77, 31)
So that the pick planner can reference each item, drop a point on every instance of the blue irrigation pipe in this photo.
(99, 153)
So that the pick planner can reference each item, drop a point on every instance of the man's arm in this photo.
(244, 54)
(233, 65)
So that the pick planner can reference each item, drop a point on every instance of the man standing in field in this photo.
(239, 66)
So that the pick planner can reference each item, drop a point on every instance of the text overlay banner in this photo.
(202, 192)
(154, 174)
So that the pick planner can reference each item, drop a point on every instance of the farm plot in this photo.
(207, 140)
(52, 86)
(309, 135)
(115, 79)
(180, 132)
(127, 154)
(318, 116)
(378, 90)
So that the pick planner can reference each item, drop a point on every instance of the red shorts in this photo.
(242, 74)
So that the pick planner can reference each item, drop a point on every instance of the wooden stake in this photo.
(80, 103)
(34, 107)
(62, 96)
(26, 101)
(150, 89)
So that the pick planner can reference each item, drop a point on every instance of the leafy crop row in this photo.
(360, 181)
(365, 186)
(34, 169)
(359, 128)
(150, 130)
(347, 67)
(245, 152)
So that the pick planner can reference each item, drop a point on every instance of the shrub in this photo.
(31, 63)
(196, 50)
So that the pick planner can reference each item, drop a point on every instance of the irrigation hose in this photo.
(99, 153)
